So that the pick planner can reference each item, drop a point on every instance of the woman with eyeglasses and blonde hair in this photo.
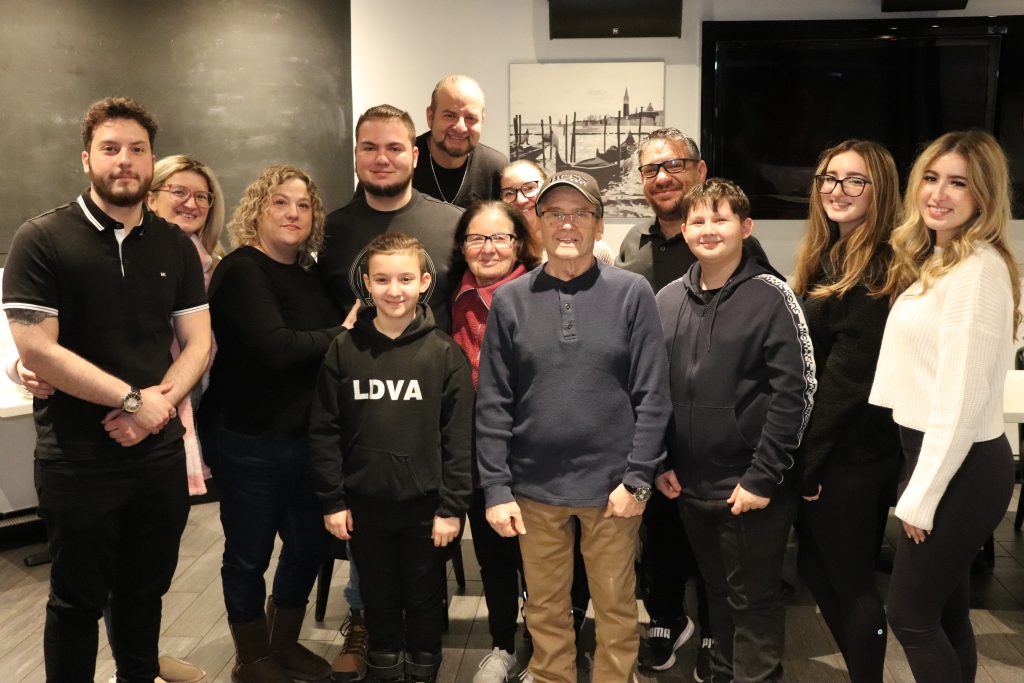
(947, 346)
(849, 456)
(185, 192)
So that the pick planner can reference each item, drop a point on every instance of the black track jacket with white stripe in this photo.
(742, 377)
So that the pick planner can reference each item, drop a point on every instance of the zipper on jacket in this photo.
(690, 371)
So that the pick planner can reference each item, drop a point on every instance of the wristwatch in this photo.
(132, 401)
(641, 494)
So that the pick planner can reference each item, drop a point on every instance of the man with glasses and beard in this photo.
(90, 289)
(385, 157)
(455, 166)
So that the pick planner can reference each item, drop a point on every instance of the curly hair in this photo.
(256, 201)
(862, 256)
(116, 108)
(209, 235)
(989, 183)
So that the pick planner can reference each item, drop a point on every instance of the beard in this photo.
(668, 210)
(105, 188)
(451, 151)
(391, 190)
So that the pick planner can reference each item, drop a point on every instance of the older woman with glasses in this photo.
(492, 248)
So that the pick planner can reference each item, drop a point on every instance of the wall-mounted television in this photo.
(776, 94)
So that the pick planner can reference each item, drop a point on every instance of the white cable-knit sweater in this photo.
(942, 368)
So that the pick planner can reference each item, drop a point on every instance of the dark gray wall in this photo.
(240, 84)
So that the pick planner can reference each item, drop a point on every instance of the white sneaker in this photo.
(526, 676)
(497, 666)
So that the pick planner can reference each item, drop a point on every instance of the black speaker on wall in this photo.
(921, 5)
(615, 18)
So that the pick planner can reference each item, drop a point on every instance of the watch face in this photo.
(132, 401)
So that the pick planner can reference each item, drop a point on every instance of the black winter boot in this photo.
(421, 667)
(385, 667)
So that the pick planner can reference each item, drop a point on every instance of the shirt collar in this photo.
(486, 294)
(98, 218)
(654, 232)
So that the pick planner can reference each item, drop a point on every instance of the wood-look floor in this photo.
(194, 625)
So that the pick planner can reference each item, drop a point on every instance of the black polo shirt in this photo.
(645, 251)
(114, 301)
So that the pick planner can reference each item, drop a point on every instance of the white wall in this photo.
(400, 48)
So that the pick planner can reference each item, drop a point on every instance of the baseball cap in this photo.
(583, 182)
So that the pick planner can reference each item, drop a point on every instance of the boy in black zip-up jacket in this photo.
(741, 371)
(390, 435)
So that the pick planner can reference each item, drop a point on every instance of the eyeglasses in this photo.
(528, 190)
(181, 194)
(500, 240)
(852, 186)
(670, 165)
(576, 217)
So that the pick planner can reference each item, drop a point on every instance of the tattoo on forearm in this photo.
(26, 316)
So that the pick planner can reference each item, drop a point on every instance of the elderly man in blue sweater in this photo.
(571, 417)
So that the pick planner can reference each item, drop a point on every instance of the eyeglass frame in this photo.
(516, 191)
(659, 165)
(484, 239)
(822, 178)
(562, 218)
(191, 194)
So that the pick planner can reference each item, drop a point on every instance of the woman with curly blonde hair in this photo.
(947, 346)
(274, 322)
(850, 453)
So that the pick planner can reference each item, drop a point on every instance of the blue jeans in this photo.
(265, 491)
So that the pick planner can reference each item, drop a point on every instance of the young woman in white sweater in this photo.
(947, 346)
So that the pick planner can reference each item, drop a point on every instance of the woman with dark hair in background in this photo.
(492, 247)
(274, 322)
(850, 452)
(947, 346)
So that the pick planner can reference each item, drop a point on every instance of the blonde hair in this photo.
(256, 201)
(988, 180)
(863, 255)
(209, 234)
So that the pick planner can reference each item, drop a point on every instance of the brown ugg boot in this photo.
(284, 625)
(253, 663)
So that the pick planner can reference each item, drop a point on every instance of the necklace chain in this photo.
(465, 169)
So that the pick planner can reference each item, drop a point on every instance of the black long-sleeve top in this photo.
(847, 335)
(273, 324)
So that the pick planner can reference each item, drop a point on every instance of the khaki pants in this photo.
(609, 548)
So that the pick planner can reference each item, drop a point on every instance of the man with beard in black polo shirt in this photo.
(94, 291)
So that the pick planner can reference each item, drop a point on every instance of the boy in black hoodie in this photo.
(742, 381)
(390, 434)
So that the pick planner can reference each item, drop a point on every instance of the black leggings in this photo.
(839, 541)
(929, 600)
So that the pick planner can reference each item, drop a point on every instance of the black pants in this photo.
(265, 491)
(838, 550)
(113, 529)
(666, 563)
(501, 571)
(929, 595)
(740, 557)
(400, 571)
